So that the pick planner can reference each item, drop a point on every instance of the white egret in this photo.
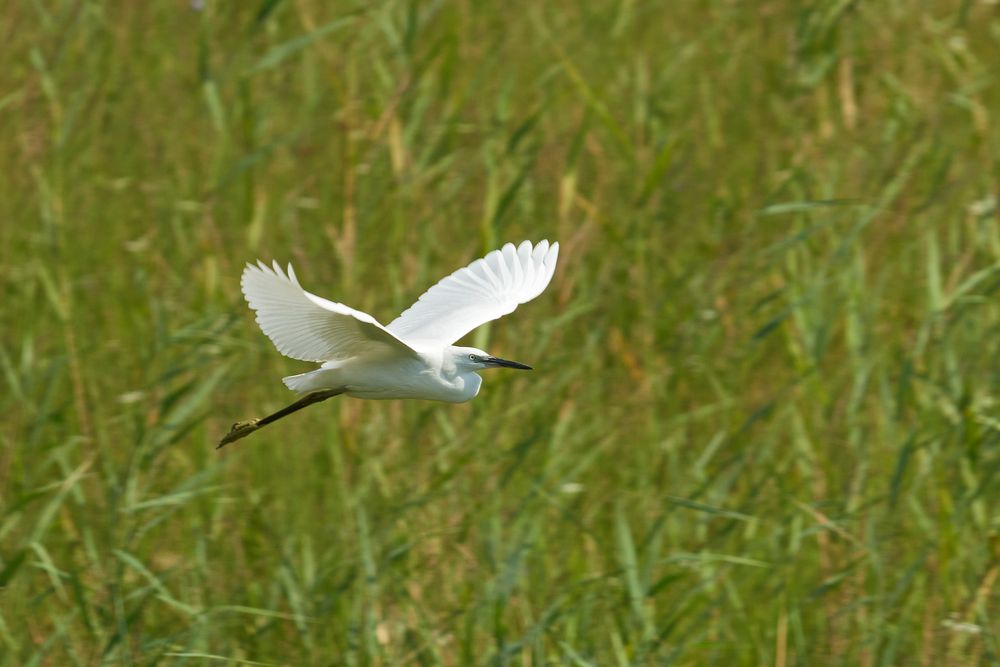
(414, 356)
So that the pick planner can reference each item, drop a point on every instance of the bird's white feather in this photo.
(308, 327)
(483, 291)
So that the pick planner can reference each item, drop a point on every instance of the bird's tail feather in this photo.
(311, 381)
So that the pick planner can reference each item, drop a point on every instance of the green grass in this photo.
(764, 424)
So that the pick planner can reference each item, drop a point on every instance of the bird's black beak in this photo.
(503, 363)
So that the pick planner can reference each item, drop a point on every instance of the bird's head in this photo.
(472, 359)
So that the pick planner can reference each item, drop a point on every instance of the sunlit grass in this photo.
(763, 428)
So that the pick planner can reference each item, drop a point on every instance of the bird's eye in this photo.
(473, 357)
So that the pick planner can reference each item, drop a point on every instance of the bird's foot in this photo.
(239, 430)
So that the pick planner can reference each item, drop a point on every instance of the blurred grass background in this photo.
(763, 428)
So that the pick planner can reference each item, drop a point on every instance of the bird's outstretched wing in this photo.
(308, 327)
(488, 288)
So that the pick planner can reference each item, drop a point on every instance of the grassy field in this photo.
(764, 424)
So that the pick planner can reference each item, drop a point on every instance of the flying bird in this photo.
(414, 356)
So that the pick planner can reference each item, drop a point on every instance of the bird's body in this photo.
(414, 356)
(430, 374)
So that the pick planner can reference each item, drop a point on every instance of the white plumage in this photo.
(414, 356)
(485, 290)
(308, 327)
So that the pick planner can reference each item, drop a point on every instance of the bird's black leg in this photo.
(244, 428)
